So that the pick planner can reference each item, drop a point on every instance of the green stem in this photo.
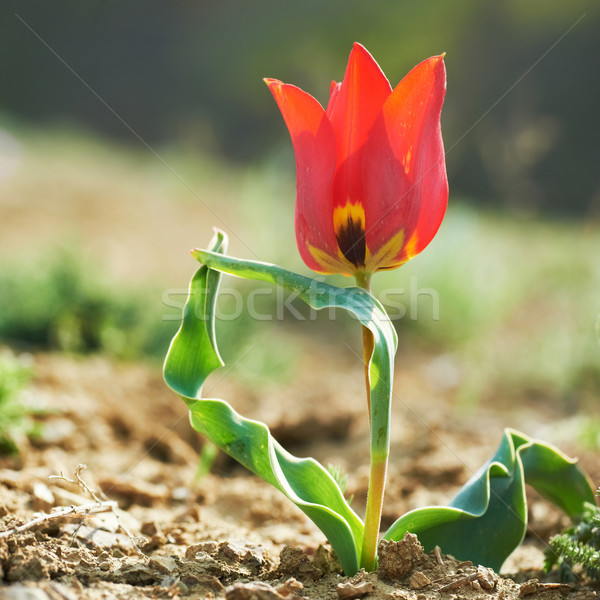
(378, 469)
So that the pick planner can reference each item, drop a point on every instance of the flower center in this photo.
(349, 228)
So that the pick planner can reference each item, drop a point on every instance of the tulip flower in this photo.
(371, 190)
(371, 176)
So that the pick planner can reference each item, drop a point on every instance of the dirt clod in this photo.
(150, 528)
(31, 563)
(289, 586)
(326, 561)
(163, 564)
(294, 561)
(209, 548)
(141, 493)
(397, 559)
(418, 580)
(487, 579)
(529, 587)
(349, 590)
(256, 590)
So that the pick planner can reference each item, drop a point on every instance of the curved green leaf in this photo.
(193, 355)
(304, 481)
(487, 519)
(319, 295)
(557, 478)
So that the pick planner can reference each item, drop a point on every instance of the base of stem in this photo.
(377, 478)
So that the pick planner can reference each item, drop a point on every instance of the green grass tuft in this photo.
(15, 415)
(66, 303)
(578, 548)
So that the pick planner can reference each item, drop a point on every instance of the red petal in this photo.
(314, 146)
(405, 170)
(359, 100)
(333, 94)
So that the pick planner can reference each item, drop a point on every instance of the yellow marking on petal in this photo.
(350, 212)
(387, 256)
(411, 247)
(331, 264)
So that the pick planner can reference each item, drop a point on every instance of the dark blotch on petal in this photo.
(351, 240)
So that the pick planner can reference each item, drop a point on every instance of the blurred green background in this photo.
(129, 130)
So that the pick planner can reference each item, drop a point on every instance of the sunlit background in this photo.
(129, 130)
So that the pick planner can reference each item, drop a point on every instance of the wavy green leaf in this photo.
(487, 519)
(193, 355)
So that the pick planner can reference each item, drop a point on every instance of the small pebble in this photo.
(529, 587)
(418, 581)
(349, 591)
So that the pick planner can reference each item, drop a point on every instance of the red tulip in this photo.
(371, 175)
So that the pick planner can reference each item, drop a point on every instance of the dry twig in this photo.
(80, 482)
(459, 582)
(101, 504)
(59, 512)
(485, 578)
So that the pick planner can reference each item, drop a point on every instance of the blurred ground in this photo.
(513, 345)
